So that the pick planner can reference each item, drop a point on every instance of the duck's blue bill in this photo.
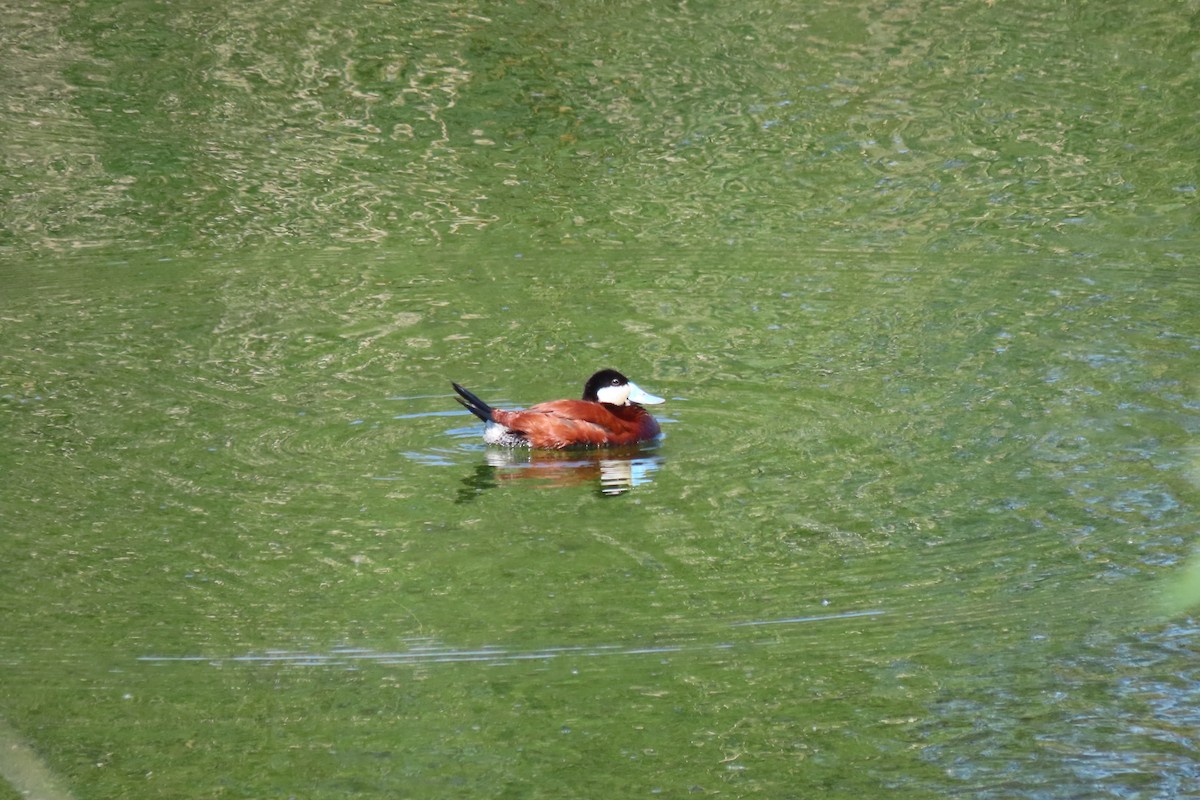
(639, 395)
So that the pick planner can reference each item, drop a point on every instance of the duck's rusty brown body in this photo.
(562, 424)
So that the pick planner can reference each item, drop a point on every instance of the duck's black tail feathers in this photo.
(473, 403)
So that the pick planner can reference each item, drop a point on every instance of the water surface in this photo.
(916, 283)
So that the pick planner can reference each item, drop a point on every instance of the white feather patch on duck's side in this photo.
(497, 434)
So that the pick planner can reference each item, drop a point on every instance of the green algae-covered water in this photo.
(918, 283)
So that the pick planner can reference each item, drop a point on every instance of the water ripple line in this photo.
(427, 651)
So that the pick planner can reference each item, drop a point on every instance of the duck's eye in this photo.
(616, 381)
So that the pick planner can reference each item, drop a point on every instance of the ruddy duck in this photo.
(609, 415)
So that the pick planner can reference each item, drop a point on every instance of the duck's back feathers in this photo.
(579, 423)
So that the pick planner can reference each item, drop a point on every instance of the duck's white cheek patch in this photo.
(613, 395)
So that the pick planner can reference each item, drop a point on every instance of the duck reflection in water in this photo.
(613, 471)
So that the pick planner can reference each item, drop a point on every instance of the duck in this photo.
(609, 415)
